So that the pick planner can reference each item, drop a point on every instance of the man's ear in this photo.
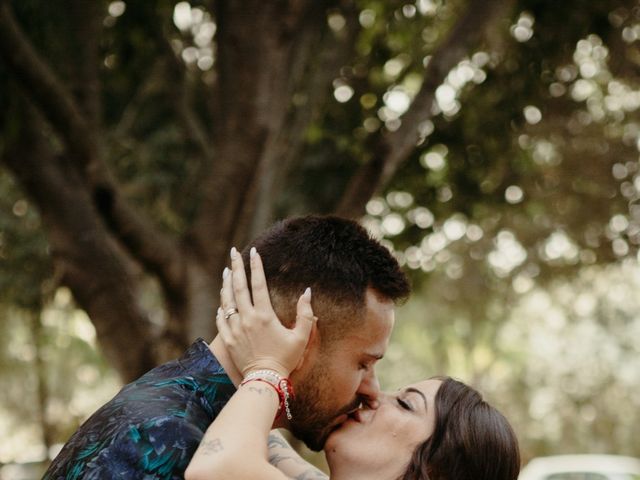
(312, 347)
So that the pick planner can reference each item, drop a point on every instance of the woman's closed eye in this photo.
(404, 404)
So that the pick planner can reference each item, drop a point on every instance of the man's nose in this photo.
(370, 389)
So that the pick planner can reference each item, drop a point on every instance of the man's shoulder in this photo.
(197, 361)
(195, 380)
(172, 404)
(158, 448)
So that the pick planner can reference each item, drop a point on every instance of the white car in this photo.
(582, 467)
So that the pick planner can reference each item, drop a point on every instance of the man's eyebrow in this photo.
(415, 390)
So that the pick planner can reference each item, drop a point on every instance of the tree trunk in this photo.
(88, 261)
(42, 389)
(267, 55)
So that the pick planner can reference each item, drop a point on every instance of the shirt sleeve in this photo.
(158, 449)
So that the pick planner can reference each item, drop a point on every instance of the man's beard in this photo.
(312, 419)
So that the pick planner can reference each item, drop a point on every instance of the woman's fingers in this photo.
(227, 300)
(223, 327)
(239, 284)
(259, 289)
(304, 317)
(253, 335)
(228, 306)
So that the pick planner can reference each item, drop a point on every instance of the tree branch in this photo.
(145, 89)
(88, 262)
(245, 106)
(86, 20)
(44, 87)
(193, 127)
(181, 96)
(157, 251)
(313, 84)
(253, 101)
(391, 149)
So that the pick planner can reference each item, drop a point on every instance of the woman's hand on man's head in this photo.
(251, 330)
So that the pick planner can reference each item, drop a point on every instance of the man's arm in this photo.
(289, 462)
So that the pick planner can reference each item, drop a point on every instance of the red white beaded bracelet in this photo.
(281, 385)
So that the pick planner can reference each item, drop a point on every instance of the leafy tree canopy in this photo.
(493, 144)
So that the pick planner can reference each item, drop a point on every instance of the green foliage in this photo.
(567, 170)
(560, 362)
(526, 176)
(24, 256)
(55, 375)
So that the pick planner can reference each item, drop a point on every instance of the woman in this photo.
(438, 429)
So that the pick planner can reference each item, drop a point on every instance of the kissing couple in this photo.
(307, 310)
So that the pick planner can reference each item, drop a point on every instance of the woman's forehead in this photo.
(429, 387)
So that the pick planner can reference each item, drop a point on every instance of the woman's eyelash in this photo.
(404, 404)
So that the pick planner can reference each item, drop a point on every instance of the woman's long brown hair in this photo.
(471, 441)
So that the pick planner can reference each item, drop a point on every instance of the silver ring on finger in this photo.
(228, 313)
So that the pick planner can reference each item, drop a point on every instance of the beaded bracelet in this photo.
(281, 385)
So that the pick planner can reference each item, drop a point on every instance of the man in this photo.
(152, 427)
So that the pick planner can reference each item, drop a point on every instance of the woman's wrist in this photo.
(280, 384)
(271, 366)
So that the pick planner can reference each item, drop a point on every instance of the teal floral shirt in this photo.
(152, 427)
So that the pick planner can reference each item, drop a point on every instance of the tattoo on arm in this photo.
(260, 390)
(311, 475)
(209, 446)
(278, 441)
(275, 459)
(280, 451)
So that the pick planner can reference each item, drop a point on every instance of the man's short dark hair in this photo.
(334, 256)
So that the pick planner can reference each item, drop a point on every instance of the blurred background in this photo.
(493, 145)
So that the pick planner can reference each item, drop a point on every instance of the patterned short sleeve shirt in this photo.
(152, 427)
